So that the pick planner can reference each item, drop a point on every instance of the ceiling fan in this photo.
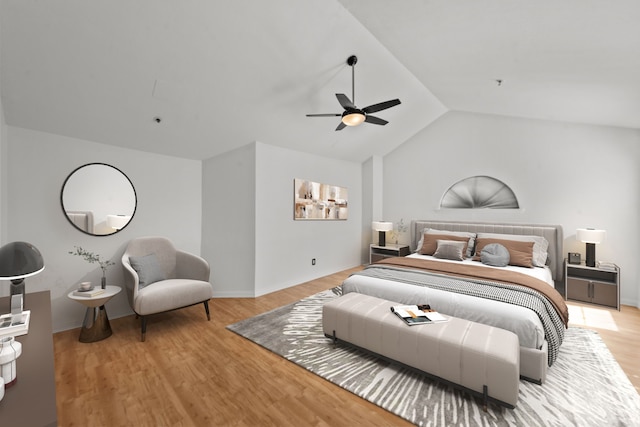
(352, 115)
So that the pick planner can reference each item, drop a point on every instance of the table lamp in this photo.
(591, 237)
(382, 227)
(117, 222)
(17, 261)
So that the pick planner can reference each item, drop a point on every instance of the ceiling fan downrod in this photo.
(352, 61)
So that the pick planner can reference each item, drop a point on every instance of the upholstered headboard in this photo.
(553, 234)
(81, 219)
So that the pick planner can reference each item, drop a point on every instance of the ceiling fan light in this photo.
(353, 119)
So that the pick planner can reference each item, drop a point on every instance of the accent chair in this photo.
(159, 278)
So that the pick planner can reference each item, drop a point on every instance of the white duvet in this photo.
(520, 320)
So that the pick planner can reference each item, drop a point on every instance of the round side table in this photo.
(96, 325)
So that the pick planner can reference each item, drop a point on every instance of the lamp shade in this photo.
(117, 221)
(590, 235)
(382, 225)
(19, 260)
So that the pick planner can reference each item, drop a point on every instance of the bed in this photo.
(521, 298)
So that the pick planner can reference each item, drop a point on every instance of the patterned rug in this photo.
(584, 387)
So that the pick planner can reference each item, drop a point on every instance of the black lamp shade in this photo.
(19, 260)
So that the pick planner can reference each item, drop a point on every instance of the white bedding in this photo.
(542, 273)
(520, 320)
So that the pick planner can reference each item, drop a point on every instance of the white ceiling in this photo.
(224, 74)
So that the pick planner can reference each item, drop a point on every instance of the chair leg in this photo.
(144, 328)
(206, 308)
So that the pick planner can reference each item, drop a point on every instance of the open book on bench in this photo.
(413, 315)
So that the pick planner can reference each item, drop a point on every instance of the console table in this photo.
(31, 401)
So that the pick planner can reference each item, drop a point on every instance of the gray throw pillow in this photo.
(450, 249)
(495, 254)
(148, 269)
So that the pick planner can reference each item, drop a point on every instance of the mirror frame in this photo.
(64, 211)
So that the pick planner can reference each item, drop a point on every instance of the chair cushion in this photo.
(148, 269)
(170, 294)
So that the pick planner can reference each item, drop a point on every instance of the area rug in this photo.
(584, 387)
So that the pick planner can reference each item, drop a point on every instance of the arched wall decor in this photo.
(479, 192)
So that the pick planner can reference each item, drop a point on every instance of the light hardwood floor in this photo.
(191, 372)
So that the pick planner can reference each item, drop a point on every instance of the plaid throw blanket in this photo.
(513, 294)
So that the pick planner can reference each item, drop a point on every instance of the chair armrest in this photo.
(131, 279)
(190, 266)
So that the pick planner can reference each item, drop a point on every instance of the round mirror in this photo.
(98, 199)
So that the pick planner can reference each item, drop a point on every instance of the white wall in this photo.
(284, 247)
(373, 202)
(228, 229)
(169, 204)
(371, 196)
(3, 178)
(249, 234)
(3, 169)
(568, 174)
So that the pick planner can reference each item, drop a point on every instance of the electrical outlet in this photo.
(313, 261)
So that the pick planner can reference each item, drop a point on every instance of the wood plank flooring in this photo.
(191, 372)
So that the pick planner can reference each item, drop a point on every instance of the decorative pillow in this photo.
(470, 236)
(540, 245)
(495, 254)
(148, 269)
(520, 253)
(450, 249)
(430, 242)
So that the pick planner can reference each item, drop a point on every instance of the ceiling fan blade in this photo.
(381, 106)
(375, 120)
(341, 126)
(325, 115)
(344, 101)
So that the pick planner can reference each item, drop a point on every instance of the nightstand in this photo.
(377, 252)
(595, 285)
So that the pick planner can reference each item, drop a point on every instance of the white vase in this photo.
(10, 350)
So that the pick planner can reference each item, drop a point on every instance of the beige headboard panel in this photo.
(553, 234)
(81, 219)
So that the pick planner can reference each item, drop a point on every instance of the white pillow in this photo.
(470, 245)
(540, 245)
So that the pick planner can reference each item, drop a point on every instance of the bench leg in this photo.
(485, 398)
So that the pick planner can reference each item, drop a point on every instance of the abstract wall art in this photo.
(313, 201)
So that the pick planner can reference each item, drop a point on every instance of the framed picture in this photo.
(314, 201)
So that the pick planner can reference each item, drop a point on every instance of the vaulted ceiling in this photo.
(224, 74)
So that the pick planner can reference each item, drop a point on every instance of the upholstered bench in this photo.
(480, 358)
